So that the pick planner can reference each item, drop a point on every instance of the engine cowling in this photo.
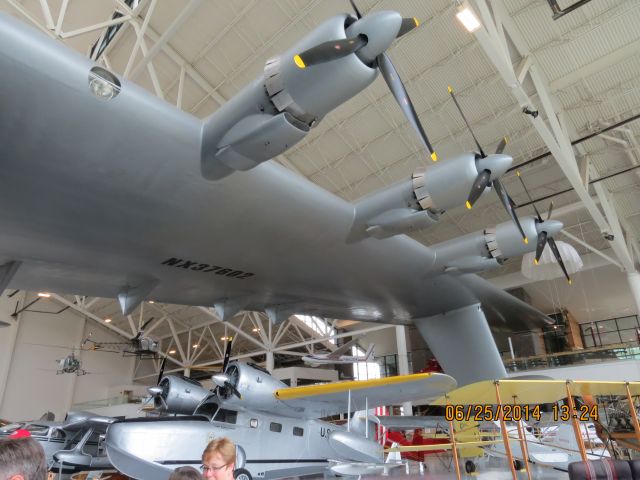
(417, 202)
(179, 395)
(255, 385)
(488, 249)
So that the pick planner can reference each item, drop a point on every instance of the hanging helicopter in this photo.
(70, 364)
(139, 345)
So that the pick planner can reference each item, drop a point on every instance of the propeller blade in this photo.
(328, 51)
(542, 241)
(479, 184)
(402, 97)
(234, 390)
(550, 210)
(355, 9)
(407, 25)
(529, 195)
(227, 354)
(146, 324)
(502, 144)
(161, 372)
(505, 200)
(556, 253)
(455, 100)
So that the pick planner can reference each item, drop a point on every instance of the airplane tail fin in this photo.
(368, 356)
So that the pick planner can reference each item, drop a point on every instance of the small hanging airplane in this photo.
(254, 409)
(338, 355)
(140, 345)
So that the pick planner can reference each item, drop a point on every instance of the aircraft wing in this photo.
(317, 401)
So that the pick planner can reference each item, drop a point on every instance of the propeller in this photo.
(483, 180)
(543, 235)
(222, 380)
(335, 49)
(156, 391)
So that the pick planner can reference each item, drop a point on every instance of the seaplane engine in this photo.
(179, 395)
(248, 386)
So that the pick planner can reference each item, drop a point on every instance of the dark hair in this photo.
(185, 473)
(22, 456)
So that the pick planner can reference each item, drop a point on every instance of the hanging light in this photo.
(548, 267)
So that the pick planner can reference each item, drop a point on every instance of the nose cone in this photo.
(497, 164)
(219, 379)
(154, 391)
(380, 28)
(550, 226)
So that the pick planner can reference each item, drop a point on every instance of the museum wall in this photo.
(29, 350)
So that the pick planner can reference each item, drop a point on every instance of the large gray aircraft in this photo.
(107, 190)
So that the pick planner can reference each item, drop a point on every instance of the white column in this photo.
(187, 371)
(270, 362)
(403, 361)
(634, 285)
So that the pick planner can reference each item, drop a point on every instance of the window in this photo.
(40, 430)
(253, 423)
(226, 416)
(58, 433)
(12, 427)
(298, 432)
(275, 427)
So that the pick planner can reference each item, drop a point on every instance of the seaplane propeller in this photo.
(543, 227)
(224, 385)
(372, 35)
(483, 180)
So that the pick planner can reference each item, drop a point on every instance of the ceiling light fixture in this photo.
(255, 330)
(107, 320)
(171, 352)
(466, 16)
(44, 294)
(195, 345)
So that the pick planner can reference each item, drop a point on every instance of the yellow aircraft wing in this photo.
(316, 401)
(530, 392)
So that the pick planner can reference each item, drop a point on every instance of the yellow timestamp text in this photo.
(492, 413)
(582, 413)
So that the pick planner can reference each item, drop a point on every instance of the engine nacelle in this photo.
(417, 202)
(276, 111)
(180, 395)
(488, 249)
(255, 385)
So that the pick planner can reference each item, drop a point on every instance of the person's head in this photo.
(22, 459)
(219, 459)
(185, 473)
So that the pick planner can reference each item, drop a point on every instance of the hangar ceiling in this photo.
(197, 54)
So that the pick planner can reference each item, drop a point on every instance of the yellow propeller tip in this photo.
(468, 205)
(449, 89)
(434, 156)
(506, 139)
(298, 61)
(518, 172)
(569, 281)
(526, 240)
(417, 22)
(535, 261)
